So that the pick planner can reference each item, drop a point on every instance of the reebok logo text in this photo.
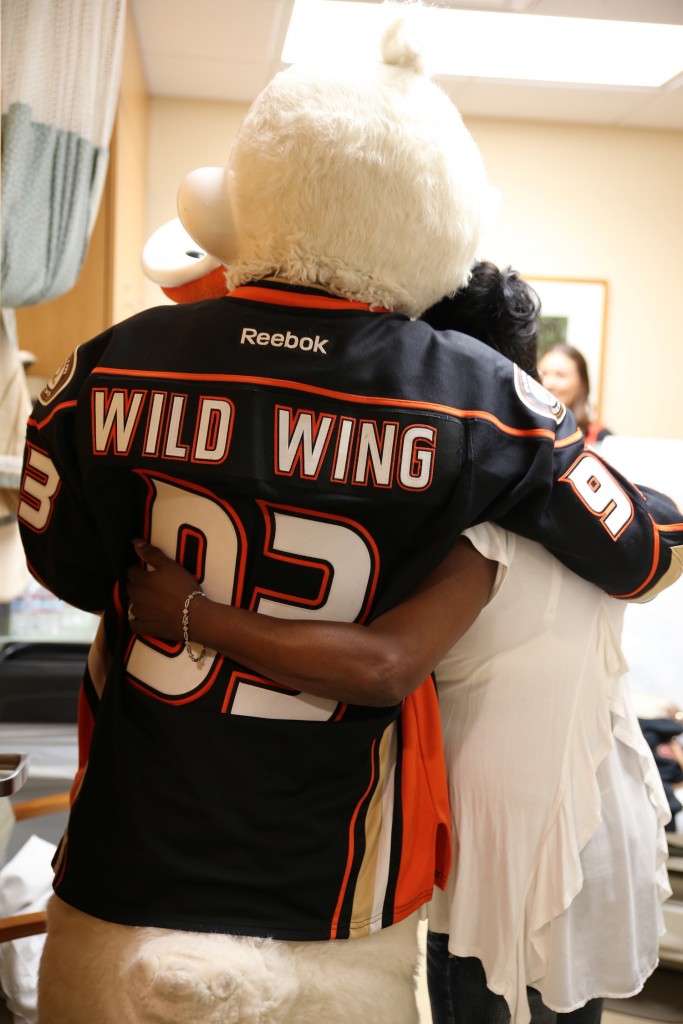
(251, 336)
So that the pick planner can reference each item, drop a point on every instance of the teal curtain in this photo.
(61, 68)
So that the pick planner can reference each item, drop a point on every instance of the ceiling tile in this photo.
(215, 28)
(227, 50)
(665, 12)
(196, 77)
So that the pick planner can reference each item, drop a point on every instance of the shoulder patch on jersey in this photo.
(537, 398)
(59, 380)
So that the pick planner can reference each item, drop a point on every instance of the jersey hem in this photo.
(355, 930)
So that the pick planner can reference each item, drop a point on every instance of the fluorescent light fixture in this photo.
(499, 46)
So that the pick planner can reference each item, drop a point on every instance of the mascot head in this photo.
(360, 179)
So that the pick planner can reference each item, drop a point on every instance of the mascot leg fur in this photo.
(95, 972)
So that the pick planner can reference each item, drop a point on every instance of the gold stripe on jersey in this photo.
(674, 571)
(373, 874)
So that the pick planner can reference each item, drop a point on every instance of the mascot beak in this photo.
(184, 272)
(205, 211)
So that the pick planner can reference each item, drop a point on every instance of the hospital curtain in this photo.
(61, 69)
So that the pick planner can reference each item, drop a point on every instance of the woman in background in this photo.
(554, 898)
(564, 372)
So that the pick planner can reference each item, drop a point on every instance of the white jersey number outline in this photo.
(40, 485)
(597, 489)
(340, 549)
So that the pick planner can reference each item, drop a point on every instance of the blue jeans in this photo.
(458, 993)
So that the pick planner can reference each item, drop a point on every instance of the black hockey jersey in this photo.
(302, 456)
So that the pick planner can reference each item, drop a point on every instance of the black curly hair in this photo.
(497, 307)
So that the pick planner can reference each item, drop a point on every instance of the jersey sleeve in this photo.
(625, 538)
(64, 547)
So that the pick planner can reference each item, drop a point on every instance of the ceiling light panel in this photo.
(499, 46)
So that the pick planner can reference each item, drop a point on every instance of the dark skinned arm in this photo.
(378, 664)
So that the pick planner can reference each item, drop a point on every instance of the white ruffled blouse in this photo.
(558, 808)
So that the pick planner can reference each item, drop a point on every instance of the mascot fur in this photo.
(363, 180)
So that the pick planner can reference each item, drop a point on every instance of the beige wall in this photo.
(129, 200)
(602, 203)
(184, 134)
(576, 202)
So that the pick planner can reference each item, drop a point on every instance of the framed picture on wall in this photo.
(574, 311)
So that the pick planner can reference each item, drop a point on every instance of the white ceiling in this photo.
(228, 50)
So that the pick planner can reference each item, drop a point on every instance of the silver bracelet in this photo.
(198, 658)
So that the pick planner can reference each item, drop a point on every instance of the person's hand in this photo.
(156, 598)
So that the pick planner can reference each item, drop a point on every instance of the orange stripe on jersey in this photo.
(118, 605)
(667, 527)
(426, 844)
(99, 656)
(292, 385)
(77, 783)
(349, 859)
(85, 728)
(655, 563)
(277, 297)
(566, 441)
(481, 414)
(58, 408)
